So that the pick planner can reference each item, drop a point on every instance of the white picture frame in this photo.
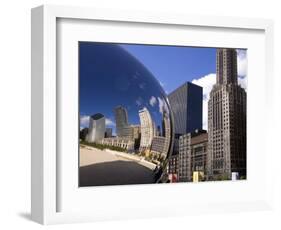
(47, 184)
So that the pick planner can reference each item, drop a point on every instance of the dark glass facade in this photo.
(186, 105)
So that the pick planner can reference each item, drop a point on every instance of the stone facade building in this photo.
(227, 120)
(173, 168)
(199, 152)
(193, 151)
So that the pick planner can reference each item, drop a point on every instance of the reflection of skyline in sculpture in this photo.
(138, 104)
(121, 119)
(124, 129)
(160, 143)
(147, 129)
(150, 138)
(122, 142)
(133, 103)
(108, 132)
(96, 128)
(138, 115)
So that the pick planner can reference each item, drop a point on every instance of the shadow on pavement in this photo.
(115, 173)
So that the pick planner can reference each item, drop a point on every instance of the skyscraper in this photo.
(186, 105)
(227, 119)
(96, 128)
(121, 118)
(147, 131)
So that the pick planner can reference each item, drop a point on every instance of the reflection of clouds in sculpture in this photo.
(109, 122)
(152, 101)
(117, 79)
(84, 121)
(142, 86)
(139, 101)
(163, 106)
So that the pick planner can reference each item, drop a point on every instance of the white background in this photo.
(15, 113)
(185, 196)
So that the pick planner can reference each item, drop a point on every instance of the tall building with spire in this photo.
(226, 120)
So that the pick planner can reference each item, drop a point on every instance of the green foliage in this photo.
(222, 177)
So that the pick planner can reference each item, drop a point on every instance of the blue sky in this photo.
(174, 65)
(106, 72)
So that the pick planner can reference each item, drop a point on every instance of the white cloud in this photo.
(109, 122)
(206, 82)
(152, 101)
(162, 105)
(139, 101)
(142, 85)
(242, 62)
(84, 120)
(242, 81)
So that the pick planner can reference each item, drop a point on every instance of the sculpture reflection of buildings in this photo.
(127, 142)
(96, 128)
(160, 143)
(127, 134)
(146, 129)
(108, 132)
(121, 119)
(122, 142)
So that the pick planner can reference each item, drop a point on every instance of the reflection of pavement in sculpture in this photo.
(99, 167)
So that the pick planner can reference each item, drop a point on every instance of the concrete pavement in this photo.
(99, 167)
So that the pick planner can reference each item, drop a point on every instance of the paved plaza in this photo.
(100, 167)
